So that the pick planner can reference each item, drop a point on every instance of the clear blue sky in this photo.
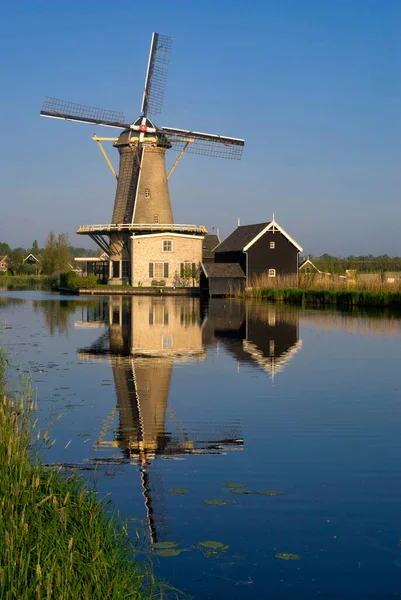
(313, 86)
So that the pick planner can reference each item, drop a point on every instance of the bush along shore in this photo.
(340, 298)
(58, 540)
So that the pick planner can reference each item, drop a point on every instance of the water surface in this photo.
(159, 394)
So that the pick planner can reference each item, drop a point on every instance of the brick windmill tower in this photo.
(143, 243)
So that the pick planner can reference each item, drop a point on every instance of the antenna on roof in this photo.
(239, 222)
(273, 217)
(218, 232)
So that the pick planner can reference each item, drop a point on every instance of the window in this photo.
(272, 245)
(167, 246)
(156, 218)
(272, 272)
(167, 342)
(188, 269)
(125, 268)
(116, 269)
(158, 270)
(158, 315)
(147, 193)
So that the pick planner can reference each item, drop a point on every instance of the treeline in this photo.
(362, 264)
(57, 255)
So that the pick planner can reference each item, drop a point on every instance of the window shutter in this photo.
(193, 270)
(182, 270)
(150, 269)
(165, 269)
(151, 316)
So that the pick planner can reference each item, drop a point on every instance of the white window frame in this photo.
(167, 242)
(155, 265)
(272, 273)
(272, 245)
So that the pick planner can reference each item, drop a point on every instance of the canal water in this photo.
(273, 431)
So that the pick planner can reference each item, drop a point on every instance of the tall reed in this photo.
(57, 540)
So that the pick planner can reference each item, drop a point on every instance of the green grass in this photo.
(58, 540)
(327, 297)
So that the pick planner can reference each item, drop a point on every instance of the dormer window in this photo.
(147, 193)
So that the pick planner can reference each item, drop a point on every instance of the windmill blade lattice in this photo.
(156, 75)
(70, 111)
(206, 144)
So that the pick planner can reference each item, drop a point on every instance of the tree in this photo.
(4, 249)
(35, 248)
(15, 262)
(50, 255)
(63, 252)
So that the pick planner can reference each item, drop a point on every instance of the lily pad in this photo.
(164, 545)
(217, 502)
(234, 485)
(241, 491)
(270, 493)
(287, 556)
(177, 491)
(169, 552)
(213, 545)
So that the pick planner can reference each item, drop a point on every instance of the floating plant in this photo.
(287, 556)
(177, 491)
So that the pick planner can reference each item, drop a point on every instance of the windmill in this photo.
(142, 201)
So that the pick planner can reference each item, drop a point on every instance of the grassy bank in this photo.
(321, 291)
(341, 298)
(57, 540)
(24, 279)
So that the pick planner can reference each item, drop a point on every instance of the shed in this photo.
(209, 243)
(260, 249)
(223, 279)
(3, 264)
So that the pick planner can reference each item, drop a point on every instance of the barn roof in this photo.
(209, 243)
(3, 257)
(222, 270)
(244, 236)
(240, 237)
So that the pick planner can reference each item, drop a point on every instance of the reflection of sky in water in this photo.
(168, 394)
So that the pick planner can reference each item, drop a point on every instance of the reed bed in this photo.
(58, 541)
(320, 291)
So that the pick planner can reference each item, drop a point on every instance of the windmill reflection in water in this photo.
(144, 337)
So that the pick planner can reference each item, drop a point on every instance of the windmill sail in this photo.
(156, 75)
(206, 144)
(55, 108)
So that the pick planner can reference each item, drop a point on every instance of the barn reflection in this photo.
(262, 335)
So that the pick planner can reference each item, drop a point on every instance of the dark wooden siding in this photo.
(283, 258)
(231, 257)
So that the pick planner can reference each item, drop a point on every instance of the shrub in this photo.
(73, 281)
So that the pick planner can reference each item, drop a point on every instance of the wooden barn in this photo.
(262, 248)
(210, 242)
(221, 279)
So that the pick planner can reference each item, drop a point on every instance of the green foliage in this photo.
(15, 262)
(362, 264)
(58, 539)
(73, 281)
(4, 249)
(287, 556)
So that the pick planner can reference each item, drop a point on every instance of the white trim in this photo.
(308, 261)
(216, 135)
(168, 235)
(204, 270)
(275, 226)
(147, 72)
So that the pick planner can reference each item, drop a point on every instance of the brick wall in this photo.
(149, 249)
